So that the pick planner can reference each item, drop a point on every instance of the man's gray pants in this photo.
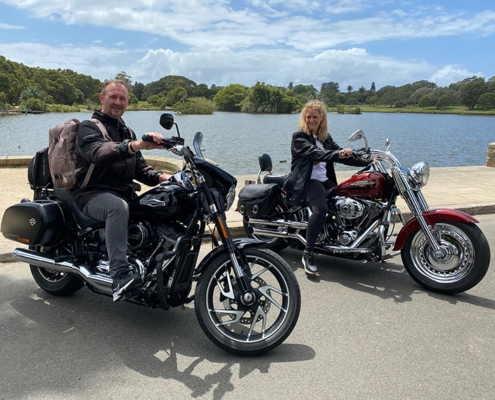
(115, 212)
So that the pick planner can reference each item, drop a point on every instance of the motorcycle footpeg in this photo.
(131, 294)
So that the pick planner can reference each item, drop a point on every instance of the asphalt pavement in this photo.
(366, 331)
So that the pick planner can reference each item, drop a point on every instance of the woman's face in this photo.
(313, 120)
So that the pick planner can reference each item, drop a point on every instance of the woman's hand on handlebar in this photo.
(345, 153)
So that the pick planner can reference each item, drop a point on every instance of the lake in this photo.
(235, 140)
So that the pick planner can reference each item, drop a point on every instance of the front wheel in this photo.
(463, 264)
(255, 329)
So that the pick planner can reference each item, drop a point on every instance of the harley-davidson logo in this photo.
(32, 221)
(363, 184)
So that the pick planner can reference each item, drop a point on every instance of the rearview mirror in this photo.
(356, 136)
(167, 121)
(265, 162)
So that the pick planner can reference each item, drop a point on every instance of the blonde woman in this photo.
(312, 172)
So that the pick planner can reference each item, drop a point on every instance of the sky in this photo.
(352, 42)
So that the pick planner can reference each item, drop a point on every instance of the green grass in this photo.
(427, 110)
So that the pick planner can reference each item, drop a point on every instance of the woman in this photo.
(312, 172)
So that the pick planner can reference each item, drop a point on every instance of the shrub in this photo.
(194, 105)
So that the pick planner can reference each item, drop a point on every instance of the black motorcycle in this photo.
(247, 299)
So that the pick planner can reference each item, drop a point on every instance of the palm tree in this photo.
(349, 89)
(33, 92)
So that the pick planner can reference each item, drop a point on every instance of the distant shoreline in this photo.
(364, 109)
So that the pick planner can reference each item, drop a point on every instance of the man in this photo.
(117, 162)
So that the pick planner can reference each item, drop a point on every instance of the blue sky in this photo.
(352, 42)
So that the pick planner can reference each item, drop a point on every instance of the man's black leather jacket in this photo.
(115, 168)
(305, 154)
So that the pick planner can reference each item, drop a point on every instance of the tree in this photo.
(486, 100)
(400, 104)
(373, 86)
(351, 102)
(33, 92)
(138, 89)
(230, 98)
(471, 92)
(330, 86)
(126, 79)
(362, 94)
(308, 91)
(349, 89)
(178, 94)
(424, 101)
(443, 102)
(423, 91)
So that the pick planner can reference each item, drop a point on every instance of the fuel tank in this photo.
(169, 202)
(367, 185)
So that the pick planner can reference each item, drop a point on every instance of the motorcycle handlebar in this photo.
(167, 143)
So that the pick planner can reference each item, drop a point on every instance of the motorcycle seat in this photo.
(82, 219)
(278, 179)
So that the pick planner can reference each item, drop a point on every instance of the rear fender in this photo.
(431, 217)
(239, 243)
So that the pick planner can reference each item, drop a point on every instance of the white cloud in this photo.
(120, 44)
(96, 61)
(7, 26)
(222, 67)
(215, 23)
(450, 74)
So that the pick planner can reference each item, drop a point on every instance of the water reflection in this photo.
(235, 140)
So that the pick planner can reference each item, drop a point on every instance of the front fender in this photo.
(431, 217)
(239, 243)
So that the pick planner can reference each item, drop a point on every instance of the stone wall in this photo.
(167, 165)
(490, 159)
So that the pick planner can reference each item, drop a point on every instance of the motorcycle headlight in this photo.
(420, 173)
(230, 197)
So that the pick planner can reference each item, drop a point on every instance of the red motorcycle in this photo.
(443, 250)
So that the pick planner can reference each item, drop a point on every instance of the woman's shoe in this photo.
(309, 263)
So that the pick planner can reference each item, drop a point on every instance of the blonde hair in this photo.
(323, 128)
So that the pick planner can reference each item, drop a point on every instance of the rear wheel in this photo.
(54, 282)
(463, 264)
(253, 329)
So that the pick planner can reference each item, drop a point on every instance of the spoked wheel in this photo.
(461, 264)
(54, 282)
(248, 329)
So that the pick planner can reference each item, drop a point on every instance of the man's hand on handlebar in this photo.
(153, 141)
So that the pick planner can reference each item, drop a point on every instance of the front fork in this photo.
(417, 204)
(248, 296)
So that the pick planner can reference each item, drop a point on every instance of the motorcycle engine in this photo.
(137, 235)
(347, 219)
(348, 208)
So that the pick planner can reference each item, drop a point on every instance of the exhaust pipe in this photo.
(100, 282)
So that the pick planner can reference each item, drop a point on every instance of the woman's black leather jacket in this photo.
(305, 154)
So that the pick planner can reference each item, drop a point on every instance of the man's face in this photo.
(115, 100)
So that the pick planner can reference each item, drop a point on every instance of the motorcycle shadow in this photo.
(85, 334)
(385, 280)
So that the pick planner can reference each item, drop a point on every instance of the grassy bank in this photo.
(461, 110)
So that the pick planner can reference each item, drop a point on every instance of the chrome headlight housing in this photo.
(230, 197)
(420, 172)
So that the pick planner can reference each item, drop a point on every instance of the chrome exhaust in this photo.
(98, 281)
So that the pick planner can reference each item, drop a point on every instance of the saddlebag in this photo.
(35, 223)
(258, 200)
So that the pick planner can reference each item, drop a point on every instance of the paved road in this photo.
(366, 331)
